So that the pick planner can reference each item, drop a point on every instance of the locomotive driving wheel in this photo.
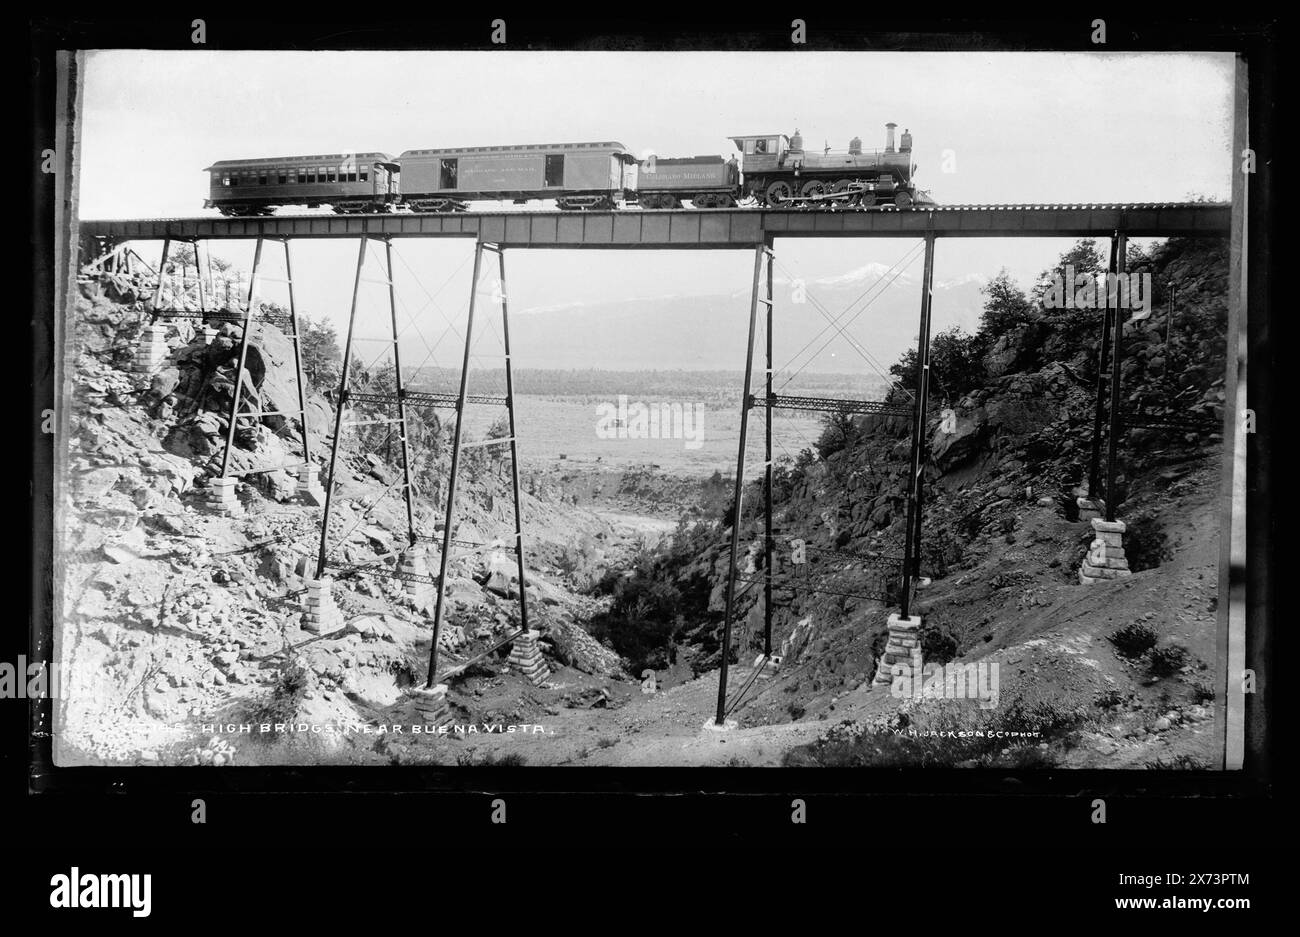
(778, 192)
(813, 188)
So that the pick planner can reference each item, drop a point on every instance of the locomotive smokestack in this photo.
(889, 137)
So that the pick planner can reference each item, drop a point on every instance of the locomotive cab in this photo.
(762, 152)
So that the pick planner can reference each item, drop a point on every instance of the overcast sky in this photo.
(1023, 127)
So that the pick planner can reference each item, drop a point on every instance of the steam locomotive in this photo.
(773, 170)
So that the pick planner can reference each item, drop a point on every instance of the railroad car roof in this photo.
(518, 148)
(273, 160)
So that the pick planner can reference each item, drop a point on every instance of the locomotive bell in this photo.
(855, 146)
(796, 142)
(905, 141)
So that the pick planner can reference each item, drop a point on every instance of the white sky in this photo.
(1024, 127)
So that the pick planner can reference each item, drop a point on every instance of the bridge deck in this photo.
(701, 229)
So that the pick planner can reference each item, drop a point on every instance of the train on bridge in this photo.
(772, 170)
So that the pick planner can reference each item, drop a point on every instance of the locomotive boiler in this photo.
(778, 170)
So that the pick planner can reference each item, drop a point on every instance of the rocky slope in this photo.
(1002, 544)
(175, 617)
(178, 620)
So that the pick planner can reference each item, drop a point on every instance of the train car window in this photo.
(364, 175)
(282, 177)
(760, 146)
(261, 178)
(302, 175)
(225, 180)
(330, 174)
(749, 147)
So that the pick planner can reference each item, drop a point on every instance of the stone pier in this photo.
(431, 705)
(415, 561)
(221, 494)
(526, 656)
(151, 351)
(1091, 510)
(766, 667)
(1106, 558)
(904, 638)
(309, 487)
(320, 614)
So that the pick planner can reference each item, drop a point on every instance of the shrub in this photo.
(937, 647)
(1134, 640)
(956, 364)
(1183, 762)
(1005, 307)
(1108, 698)
(321, 358)
(490, 759)
(839, 431)
(1168, 660)
(715, 497)
(286, 693)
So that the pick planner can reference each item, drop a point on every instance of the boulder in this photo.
(96, 483)
(576, 648)
(165, 381)
(1015, 350)
(949, 450)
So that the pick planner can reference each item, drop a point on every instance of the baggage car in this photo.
(576, 175)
